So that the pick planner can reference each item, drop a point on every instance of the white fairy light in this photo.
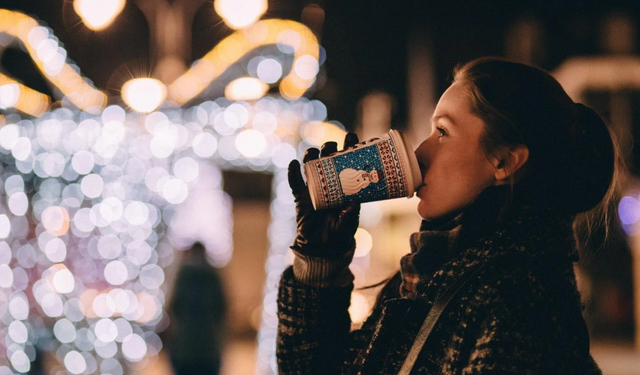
(115, 272)
(105, 349)
(8, 136)
(5, 226)
(6, 276)
(251, 143)
(64, 330)
(269, 70)
(19, 306)
(18, 203)
(52, 305)
(205, 145)
(92, 185)
(9, 95)
(20, 361)
(63, 281)
(75, 362)
(105, 330)
(56, 250)
(134, 347)
(18, 332)
(21, 148)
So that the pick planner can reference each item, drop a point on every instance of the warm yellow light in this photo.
(359, 308)
(59, 278)
(238, 14)
(86, 302)
(55, 220)
(246, 88)
(364, 242)
(147, 307)
(50, 58)
(98, 14)
(24, 99)
(251, 143)
(288, 35)
(318, 132)
(144, 94)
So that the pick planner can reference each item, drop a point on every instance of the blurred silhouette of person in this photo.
(196, 332)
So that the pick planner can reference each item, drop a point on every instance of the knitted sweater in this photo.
(517, 316)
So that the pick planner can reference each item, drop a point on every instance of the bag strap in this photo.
(432, 318)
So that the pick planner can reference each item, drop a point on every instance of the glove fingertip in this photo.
(294, 164)
(310, 154)
(328, 148)
(294, 175)
(350, 140)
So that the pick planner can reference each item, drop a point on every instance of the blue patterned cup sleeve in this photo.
(380, 168)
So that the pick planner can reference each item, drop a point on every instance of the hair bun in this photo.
(593, 161)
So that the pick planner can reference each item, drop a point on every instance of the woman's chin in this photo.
(433, 213)
(426, 211)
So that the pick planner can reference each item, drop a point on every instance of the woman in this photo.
(510, 163)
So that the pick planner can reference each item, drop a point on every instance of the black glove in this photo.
(325, 233)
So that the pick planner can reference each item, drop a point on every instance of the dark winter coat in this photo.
(521, 314)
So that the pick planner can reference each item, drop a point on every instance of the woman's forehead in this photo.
(454, 110)
(455, 100)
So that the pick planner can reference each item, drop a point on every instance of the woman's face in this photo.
(455, 170)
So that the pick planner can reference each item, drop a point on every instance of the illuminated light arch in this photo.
(230, 50)
(50, 58)
(580, 74)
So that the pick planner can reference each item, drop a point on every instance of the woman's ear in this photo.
(511, 161)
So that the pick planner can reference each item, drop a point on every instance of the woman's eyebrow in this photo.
(445, 117)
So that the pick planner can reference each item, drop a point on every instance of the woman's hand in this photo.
(325, 233)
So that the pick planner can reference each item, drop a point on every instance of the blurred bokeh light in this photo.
(246, 88)
(144, 94)
(238, 14)
(98, 14)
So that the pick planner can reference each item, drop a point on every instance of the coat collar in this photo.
(481, 233)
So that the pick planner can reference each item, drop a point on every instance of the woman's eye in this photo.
(442, 132)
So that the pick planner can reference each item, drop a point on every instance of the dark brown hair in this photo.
(572, 155)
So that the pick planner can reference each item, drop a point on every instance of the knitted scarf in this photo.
(480, 233)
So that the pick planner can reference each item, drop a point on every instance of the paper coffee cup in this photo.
(380, 168)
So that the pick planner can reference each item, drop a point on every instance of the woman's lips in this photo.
(420, 191)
